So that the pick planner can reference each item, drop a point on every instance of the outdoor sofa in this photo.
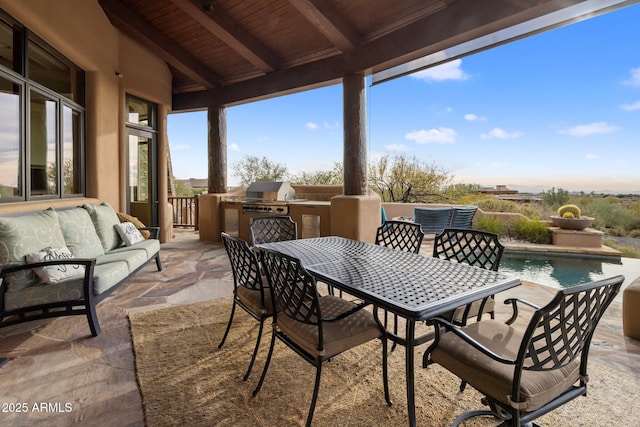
(64, 262)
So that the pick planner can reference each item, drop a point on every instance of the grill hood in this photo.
(270, 191)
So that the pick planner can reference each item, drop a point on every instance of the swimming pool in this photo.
(561, 271)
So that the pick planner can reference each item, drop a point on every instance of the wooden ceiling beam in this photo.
(447, 28)
(328, 23)
(234, 36)
(133, 25)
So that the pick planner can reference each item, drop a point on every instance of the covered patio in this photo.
(57, 361)
(184, 55)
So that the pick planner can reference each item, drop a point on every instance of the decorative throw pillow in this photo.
(129, 233)
(55, 273)
(123, 217)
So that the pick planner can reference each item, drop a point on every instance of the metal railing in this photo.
(185, 211)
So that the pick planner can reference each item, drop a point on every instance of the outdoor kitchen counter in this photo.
(308, 203)
(312, 216)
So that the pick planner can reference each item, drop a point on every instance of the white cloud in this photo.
(448, 71)
(635, 77)
(181, 147)
(333, 126)
(631, 107)
(325, 125)
(590, 129)
(474, 118)
(591, 156)
(396, 147)
(234, 147)
(441, 135)
(500, 133)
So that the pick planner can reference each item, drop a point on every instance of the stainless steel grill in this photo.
(269, 198)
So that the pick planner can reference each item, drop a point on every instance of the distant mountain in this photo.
(539, 189)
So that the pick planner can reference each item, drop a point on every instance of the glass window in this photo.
(42, 154)
(139, 168)
(42, 118)
(10, 141)
(10, 53)
(54, 73)
(139, 112)
(71, 151)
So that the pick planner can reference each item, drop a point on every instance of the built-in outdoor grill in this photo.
(268, 198)
(280, 198)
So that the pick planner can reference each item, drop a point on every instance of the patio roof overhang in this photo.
(227, 52)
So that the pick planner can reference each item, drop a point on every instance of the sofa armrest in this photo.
(87, 262)
(154, 231)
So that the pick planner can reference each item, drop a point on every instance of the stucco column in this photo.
(355, 135)
(355, 214)
(209, 205)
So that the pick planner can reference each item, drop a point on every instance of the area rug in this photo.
(185, 379)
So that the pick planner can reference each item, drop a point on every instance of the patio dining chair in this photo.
(402, 236)
(250, 289)
(268, 229)
(474, 247)
(318, 328)
(433, 220)
(526, 370)
(463, 216)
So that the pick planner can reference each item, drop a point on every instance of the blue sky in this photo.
(559, 109)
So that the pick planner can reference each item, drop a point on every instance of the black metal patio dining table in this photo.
(413, 286)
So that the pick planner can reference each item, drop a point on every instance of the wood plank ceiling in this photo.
(225, 52)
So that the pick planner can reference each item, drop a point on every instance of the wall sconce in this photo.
(119, 74)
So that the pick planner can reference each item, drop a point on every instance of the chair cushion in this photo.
(252, 300)
(493, 378)
(473, 311)
(339, 335)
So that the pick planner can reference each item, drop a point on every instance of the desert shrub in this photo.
(531, 230)
(490, 224)
(496, 205)
(530, 210)
(628, 251)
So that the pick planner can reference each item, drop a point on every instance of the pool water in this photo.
(561, 271)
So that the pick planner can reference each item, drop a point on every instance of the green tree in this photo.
(555, 198)
(254, 168)
(407, 180)
(330, 177)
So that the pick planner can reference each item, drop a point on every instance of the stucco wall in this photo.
(80, 30)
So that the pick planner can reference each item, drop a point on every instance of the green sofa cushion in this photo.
(44, 293)
(105, 277)
(108, 275)
(104, 219)
(133, 257)
(152, 246)
(79, 233)
(21, 235)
